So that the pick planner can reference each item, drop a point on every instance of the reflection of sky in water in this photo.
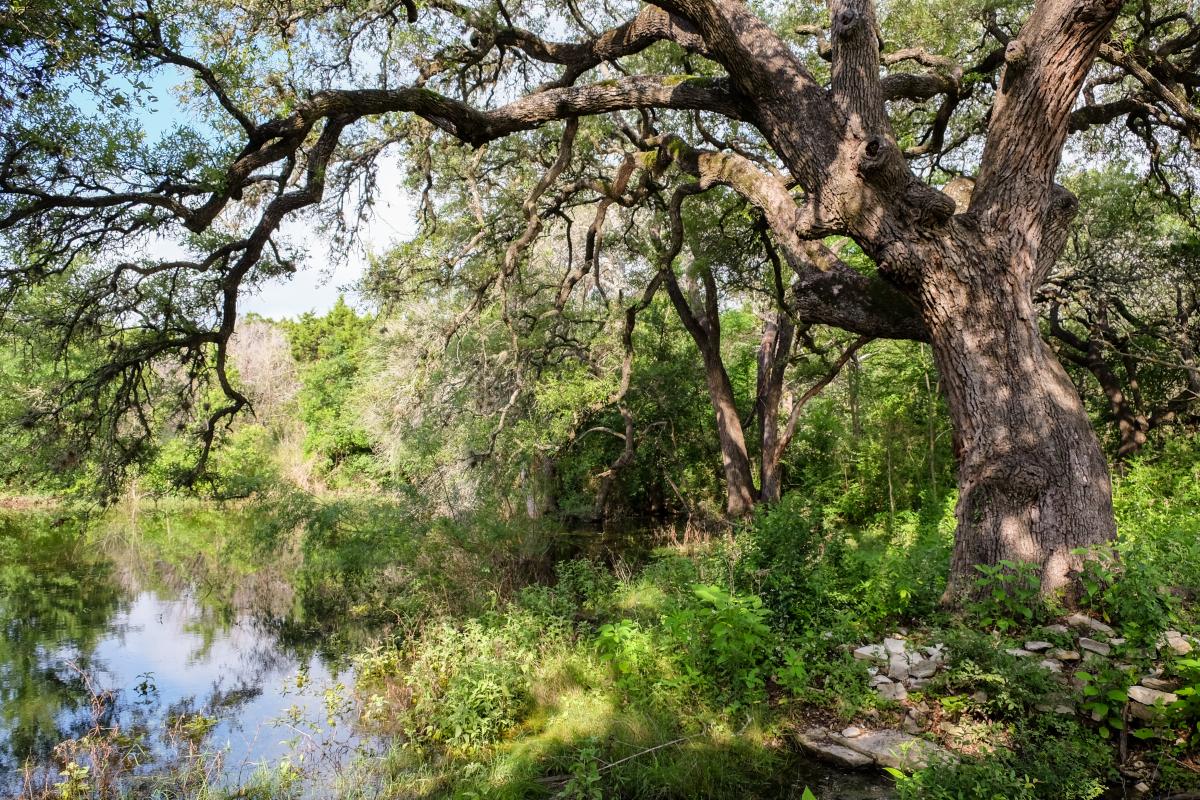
(235, 671)
(191, 658)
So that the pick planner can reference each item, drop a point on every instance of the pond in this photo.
(155, 634)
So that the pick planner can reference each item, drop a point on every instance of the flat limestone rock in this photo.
(1037, 647)
(894, 647)
(1084, 621)
(1063, 655)
(923, 668)
(1177, 643)
(894, 749)
(817, 742)
(873, 653)
(897, 668)
(1148, 697)
(937, 652)
(1093, 646)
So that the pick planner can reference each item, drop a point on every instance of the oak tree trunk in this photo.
(1033, 482)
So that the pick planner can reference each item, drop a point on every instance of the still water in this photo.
(111, 627)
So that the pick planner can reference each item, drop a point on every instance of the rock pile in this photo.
(897, 667)
(1094, 644)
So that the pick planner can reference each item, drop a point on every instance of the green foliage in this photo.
(625, 646)
(331, 350)
(1008, 595)
(1186, 710)
(585, 782)
(1049, 759)
(1104, 697)
(242, 464)
(1159, 533)
(1141, 604)
(1012, 687)
(982, 779)
(782, 559)
(726, 636)
(467, 684)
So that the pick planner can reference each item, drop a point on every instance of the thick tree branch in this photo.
(1045, 69)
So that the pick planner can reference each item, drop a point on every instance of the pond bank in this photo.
(505, 659)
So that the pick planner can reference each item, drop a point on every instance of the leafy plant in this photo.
(1141, 603)
(74, 784)
(726, 634)
(1104, 698)
(1187, 708)
(584, 783)
(624, 645)
(1008, 595)
(792, 673)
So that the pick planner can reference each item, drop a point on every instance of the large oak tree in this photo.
(831, 132)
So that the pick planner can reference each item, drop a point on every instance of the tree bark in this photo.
(1033, 482)
(735, 459)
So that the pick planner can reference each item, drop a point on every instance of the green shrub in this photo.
(626, 647)
(1051, 758)
(1159, 530)
(1104, 696)
(465, 685)
(970, 779)
(725, 636)
(1140, 603)
(818, 672)
(1008, 595)
(784, 562)
(1013, 686)
(586, 582)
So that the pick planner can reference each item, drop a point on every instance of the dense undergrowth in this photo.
(568, 683)
(512, 659)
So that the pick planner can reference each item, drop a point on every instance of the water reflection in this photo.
(170, 633)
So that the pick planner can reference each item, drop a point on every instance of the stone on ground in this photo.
(816, 741)
(894, 749)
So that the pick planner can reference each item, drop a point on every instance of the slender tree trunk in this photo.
(931, 415)
(1032, 479)
(778, 335)
(735, 459)
(702, 319)
(771, 468)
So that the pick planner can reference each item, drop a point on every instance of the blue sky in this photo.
(317, 286)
